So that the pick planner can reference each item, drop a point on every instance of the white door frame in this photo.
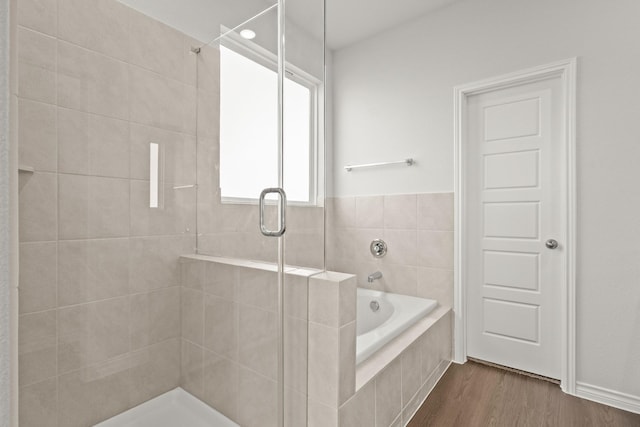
(566, 71)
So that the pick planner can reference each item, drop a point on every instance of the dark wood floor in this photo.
(473, 395)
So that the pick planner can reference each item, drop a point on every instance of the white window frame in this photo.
(264, 57)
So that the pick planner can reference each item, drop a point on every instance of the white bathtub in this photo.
(395, 314)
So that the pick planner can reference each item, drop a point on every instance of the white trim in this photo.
(566, 71)
(624, 401)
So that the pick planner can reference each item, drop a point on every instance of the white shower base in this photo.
(176, 408)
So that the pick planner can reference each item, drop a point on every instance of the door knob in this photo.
(551, 243)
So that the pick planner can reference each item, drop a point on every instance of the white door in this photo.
(515, 153)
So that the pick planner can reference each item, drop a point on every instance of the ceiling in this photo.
(348, 21)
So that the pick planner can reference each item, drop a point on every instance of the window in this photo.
(249, 133)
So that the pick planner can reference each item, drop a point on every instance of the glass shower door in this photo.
(249, 105)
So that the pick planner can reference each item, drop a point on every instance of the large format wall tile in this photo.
(209, 69)
(92, 333)
(221, 280)
(39, 404)
(38, 135)
(208, 114)
(404, 244)
(221, 326)
(175, 214)
(36, 65)
(155, 317)
(37, 344)
(436, 284)
(357, 412)
(323, 364)
(192, 368)
(39, 15)
(295, 354)
(257, 340)
(435, 211)
(100, 25)
(411, 371)
(435, 249)
(154, 370)
(38, 276)
(221, 378)
(91, 270)
(91, 82)
(388, 394)
(93, 207)
(192, 312)
(161, 102)
(157, 47)
(154, 261)
(258, 397)
(370, 212)
(305, 247)
(400, 211)
(88, 396)
(91, 144)
(38, 208)
(257, 288)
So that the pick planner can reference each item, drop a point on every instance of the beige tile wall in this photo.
(418, 230)
(99, 289)
(388, 389)
(229, 340)
(392, 397)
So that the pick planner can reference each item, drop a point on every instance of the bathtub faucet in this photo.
(374, 276)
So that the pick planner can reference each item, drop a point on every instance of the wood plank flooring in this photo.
(475, 395)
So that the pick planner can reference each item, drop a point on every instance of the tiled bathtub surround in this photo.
(418, 229)
(229, 338)
(99, 273)
(386, 389)
(394, 394)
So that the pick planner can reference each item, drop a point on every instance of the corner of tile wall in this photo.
(332, 339)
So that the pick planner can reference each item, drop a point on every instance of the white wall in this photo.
(394, 98)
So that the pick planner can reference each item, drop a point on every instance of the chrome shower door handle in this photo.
(282, 205)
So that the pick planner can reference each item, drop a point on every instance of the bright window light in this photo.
(249, 133)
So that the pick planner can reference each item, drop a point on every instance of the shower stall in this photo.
(171, 209)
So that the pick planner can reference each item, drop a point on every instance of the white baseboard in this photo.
(608, 397)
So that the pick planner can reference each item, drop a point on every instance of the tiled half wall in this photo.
(229, 338)
(229, 353)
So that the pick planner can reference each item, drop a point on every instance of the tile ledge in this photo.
(257, 265)
(368, 369)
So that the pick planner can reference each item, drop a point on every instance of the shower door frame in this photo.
(283, 202)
